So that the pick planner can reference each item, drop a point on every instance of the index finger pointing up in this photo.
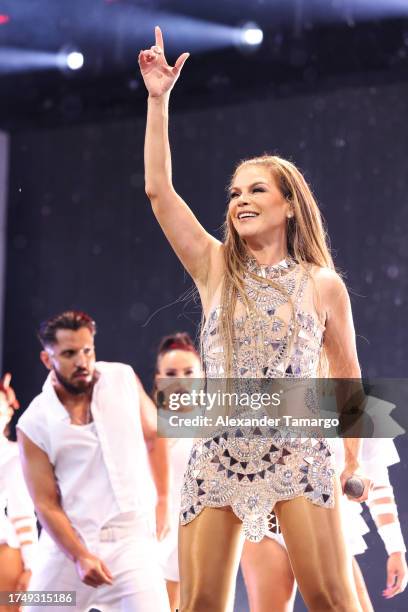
(159, 37)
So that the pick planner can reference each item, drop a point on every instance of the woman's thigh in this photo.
(318, 554)
(209, 553)
(268, 576)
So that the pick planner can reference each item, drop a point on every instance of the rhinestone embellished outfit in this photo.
(246, 469)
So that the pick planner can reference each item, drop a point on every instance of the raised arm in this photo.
(197, 250)
(41, 483)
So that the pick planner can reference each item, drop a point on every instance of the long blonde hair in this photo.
(307, 243)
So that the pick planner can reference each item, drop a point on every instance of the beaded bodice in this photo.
(245, 466)
(281, 336)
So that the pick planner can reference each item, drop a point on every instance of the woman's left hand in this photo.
(352, 470)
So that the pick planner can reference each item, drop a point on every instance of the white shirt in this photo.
(102, 469)
(179, 451)
(375, 454)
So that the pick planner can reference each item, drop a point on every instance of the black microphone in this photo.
(354, 487)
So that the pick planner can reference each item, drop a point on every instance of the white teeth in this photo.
(246, 215)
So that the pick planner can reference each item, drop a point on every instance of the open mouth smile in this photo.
(246, 215)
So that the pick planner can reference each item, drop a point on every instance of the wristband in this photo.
(25, 529)
(392, 537)
(377, 510)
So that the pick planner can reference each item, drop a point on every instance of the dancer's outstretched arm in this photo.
(198, 251)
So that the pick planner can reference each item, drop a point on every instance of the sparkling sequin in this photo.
(246, 469)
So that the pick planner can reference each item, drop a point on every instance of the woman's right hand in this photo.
(158, 76)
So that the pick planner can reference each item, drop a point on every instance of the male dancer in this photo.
(85, 463)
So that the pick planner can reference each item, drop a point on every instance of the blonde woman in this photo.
(18, 527)
(258, 291)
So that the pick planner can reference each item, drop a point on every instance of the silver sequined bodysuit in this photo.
(282, 339)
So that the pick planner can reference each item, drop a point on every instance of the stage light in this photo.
(70, 59)
(251, 35)
(248, 38)
(75, 60)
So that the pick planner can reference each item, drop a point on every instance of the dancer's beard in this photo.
(78, 388)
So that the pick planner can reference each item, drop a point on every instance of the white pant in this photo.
(138, 584)
(168, 552)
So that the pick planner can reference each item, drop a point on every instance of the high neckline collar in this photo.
(280, 268)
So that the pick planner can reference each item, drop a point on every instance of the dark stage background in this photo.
(81, 233)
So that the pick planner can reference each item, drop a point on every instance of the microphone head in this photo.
(354, 487)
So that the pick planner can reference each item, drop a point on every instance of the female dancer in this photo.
(271, 299)
(177, 359)
(269, 557)
(18, 530)
(377, 455)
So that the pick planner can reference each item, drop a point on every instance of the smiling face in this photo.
(257, 208)
(179, 364)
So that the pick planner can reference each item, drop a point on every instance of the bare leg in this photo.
(318, 554)
(362, 592)
(11, 567)
(209, 553)
(268, 576)
(173, 591)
